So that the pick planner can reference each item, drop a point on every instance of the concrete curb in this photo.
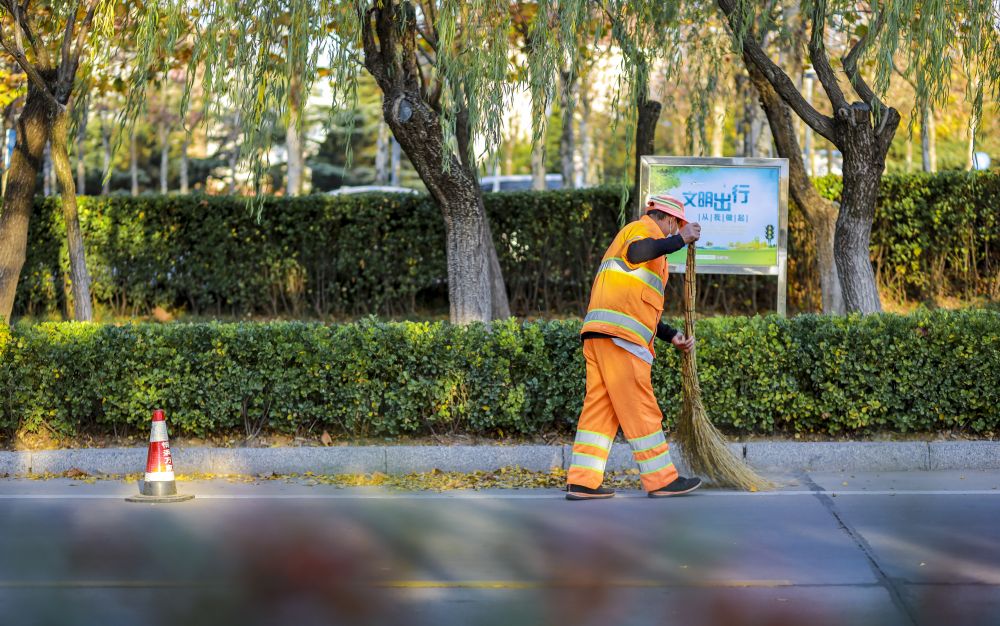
(778, 456)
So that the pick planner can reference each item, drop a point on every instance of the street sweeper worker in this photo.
(623, 319)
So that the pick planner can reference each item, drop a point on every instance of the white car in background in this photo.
(343, 191)
(517, 182)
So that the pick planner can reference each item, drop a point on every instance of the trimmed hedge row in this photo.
(923, 372)
(384, 253)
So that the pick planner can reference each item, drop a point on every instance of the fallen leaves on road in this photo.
(434, 480)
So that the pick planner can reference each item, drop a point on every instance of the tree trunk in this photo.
(475, 282)
(909, 153)
(81, 166)
(382, 155)
(586, 142)
(294, 146)
(133, 160)
(164, 133)
(973, 128)
(645, 135)
(928, 139)
(718, 126)
(184, 182)
(864, 155)
(82, 307)
(47, 189)
(807, 82)
(820, 212)
(106, 157)
(3, 156)
(538, 150)
(32, 137)
(566, 138)
(394, 161)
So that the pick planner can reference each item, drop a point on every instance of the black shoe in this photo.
(679, 487)
(579, 492)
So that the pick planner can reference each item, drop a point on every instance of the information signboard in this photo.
(741, 205)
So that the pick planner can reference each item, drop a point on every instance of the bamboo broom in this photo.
(702, 445)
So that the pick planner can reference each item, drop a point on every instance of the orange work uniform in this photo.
(626, 303)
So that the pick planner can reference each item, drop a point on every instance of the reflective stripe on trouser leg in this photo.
(594, 439)
(596, 429)
(631, 391)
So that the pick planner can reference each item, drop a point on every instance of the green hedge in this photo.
(924, 372)
(348, 256)
(935, 234)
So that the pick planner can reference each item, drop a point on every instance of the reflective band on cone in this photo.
(159, 484)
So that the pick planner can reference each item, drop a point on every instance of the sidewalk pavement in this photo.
(781, 456)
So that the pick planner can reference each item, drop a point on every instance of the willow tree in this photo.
(646, 32)
(49, 42)
(862, 124)
(443, 70)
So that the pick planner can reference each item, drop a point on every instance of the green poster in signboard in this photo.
(740, 204)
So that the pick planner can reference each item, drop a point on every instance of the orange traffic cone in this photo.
(159, 485)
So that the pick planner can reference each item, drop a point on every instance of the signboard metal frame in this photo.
(781, 269)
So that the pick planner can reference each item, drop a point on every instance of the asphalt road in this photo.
(909, 548)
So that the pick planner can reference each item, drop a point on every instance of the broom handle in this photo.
(690, 291)
(691, 392)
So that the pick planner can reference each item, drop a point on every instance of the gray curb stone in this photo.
(964, 455)
(12, 463)
(831, 456)
(405, 459)
(785, 456)
(90, 460)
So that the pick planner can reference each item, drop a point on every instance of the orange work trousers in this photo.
(619, 393)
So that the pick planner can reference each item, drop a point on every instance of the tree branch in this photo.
(820, 60)
(22, 27)
(15, 50)
(373, 58)
(779, 80)
(850, 63)
(68, 37)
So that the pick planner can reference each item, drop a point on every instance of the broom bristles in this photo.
(703, 447)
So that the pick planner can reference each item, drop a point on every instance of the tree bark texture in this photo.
(382, 155)
(164, 136)
(538, 149)
(863, 132)
(820, 212)
(81, 166)
(183, 169)
(32, 136)
(133, 161)
(718, 127)
(475, 283)
(293, 143)
(105, 157)
(864, 161)
(47, 188)
(645, 136)
(80, 277)
(928, 139)
(586, 142)
(567, 139)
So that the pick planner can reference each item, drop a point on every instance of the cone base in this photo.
(158, 491)
(178, 497)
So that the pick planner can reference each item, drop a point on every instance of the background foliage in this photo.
(347, 256)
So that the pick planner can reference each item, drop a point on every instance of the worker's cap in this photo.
(668, 204)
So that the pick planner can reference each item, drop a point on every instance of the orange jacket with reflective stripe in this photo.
(626, 300)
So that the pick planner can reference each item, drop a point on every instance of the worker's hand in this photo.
(690, 232)
(682, 343)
